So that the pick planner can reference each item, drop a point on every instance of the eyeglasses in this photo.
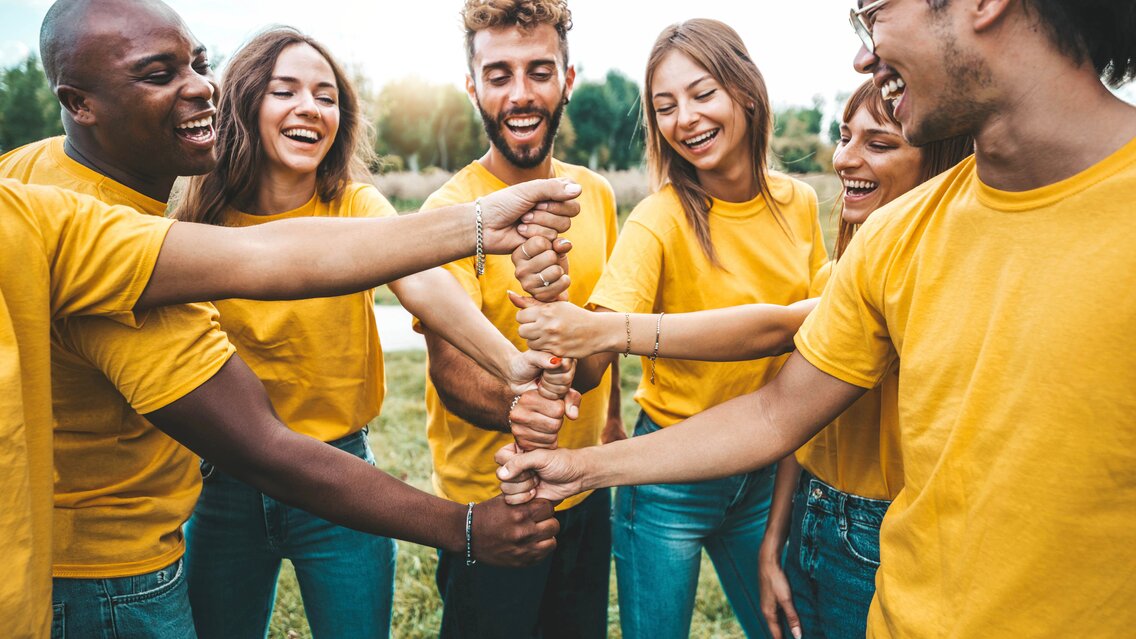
(861, 27)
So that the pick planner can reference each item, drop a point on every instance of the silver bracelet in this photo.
(509, 415)
(655, 353)
(480, 264)
(469, 560)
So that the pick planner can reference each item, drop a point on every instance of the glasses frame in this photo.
(861, 27)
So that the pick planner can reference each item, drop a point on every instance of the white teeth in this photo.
(892, 89)
(698, 139)
(523, 122)
(859, 184)
(302, 133)
(194, 124)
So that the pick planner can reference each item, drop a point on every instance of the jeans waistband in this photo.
(821, 496)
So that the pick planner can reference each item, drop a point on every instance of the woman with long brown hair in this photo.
(830, 500)
(290, 144)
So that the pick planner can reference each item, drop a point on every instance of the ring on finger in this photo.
(525, 252)
(543, 282)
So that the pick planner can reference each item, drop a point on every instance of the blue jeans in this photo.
(563, 595)
(150, 606)
(237, 539)
(832, 557)
(659, 531)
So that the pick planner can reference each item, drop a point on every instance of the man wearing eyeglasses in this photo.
(996, 285)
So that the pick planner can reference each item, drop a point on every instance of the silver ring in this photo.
(543, 282)
(525, 252)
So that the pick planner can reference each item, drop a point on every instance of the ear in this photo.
(569, 82)
(987, 13)
(471, 90)
(77, 103)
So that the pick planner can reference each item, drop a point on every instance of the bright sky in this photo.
(803, 47)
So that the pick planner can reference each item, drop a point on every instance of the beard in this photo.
(525, 156)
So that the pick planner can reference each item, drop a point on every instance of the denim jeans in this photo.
(832, 557)
(659, 531)
(150, 606)
(237, 539)
(564, 595)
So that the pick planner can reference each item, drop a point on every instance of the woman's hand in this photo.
(776, 594)
(537, 208)
(558, 327)
(526, 369)
(542, 267)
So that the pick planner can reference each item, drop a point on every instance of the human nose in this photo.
(845, 157)
(519, 91)
(865, 61)
(201, 86)
(306, 106)
(687, 115)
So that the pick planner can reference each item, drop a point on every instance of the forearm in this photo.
(444, 308)
(466, 389)
(781, 510)
(229, 421)
(735, 333)
(305, 257)
(590, 371)
(740, 435)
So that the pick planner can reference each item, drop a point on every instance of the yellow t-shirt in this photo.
(464, 469)
(1013, 318)
(64, 254)
(320, 359)
(658, 266)
(122, 487)
(858, 452)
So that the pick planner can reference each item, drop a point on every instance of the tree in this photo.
(404, 124)
(606, 120)
(457, 133)
(28, 109)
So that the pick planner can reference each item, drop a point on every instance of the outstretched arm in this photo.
(310, 257)
(230, 421)
(737, 436)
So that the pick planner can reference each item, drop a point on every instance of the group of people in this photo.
(948, 452)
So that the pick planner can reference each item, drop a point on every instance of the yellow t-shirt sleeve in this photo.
(367, 201)
(178, 349)
(630, 281)
(846, 336)
(103, 255)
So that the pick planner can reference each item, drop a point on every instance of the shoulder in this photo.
(791, 192)
(21, 162)
(462, 187)
(362, 199)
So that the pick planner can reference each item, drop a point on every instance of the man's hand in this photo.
(536, 420)
(542, 267)
(514, 214)
(554, 475)
(513, 536)
(776, 595)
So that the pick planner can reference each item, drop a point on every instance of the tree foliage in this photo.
(605, 117)
(28, 109)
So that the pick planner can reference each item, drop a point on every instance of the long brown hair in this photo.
(716, 47)
(935, 157)
(239, 155)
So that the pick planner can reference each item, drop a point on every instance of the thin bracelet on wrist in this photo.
(509, 415)
(627, 325)
(479, 266)
(655, 353)
(469, 560)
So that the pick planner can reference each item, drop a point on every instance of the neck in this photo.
(1049, 129)
(733, 182)
(510, 173)
(279, 191)
(88, 153)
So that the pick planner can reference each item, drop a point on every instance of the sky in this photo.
(804, 48)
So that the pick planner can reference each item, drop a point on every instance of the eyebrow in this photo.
(665, 94)
(162, 57)
(291, 80)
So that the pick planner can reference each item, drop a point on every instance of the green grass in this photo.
(398, 438)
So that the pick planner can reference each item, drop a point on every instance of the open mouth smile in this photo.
(304, 136)
(702, 140)
(199, 132)
(523, 126)
(859, 188)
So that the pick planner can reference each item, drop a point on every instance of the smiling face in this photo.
(937, 86)
(148, 92)
(520, 87)
(698, 118)
(299, 114)
(875, 164)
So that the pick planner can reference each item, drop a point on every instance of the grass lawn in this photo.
(399, 441)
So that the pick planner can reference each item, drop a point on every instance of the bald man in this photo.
(137, 95)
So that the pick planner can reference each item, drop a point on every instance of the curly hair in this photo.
(478, 15)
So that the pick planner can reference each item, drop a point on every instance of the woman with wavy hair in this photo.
(291, 143)
(829, 502)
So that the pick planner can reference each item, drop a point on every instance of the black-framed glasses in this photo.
(861, 26)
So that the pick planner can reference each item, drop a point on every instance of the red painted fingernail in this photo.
(554, 361)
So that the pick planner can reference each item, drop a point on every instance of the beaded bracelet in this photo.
(627, 325)
(655, 353)
(469, 560)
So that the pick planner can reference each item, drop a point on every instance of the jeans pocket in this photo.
(862, 542)
(159, 609)
(58, 625)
